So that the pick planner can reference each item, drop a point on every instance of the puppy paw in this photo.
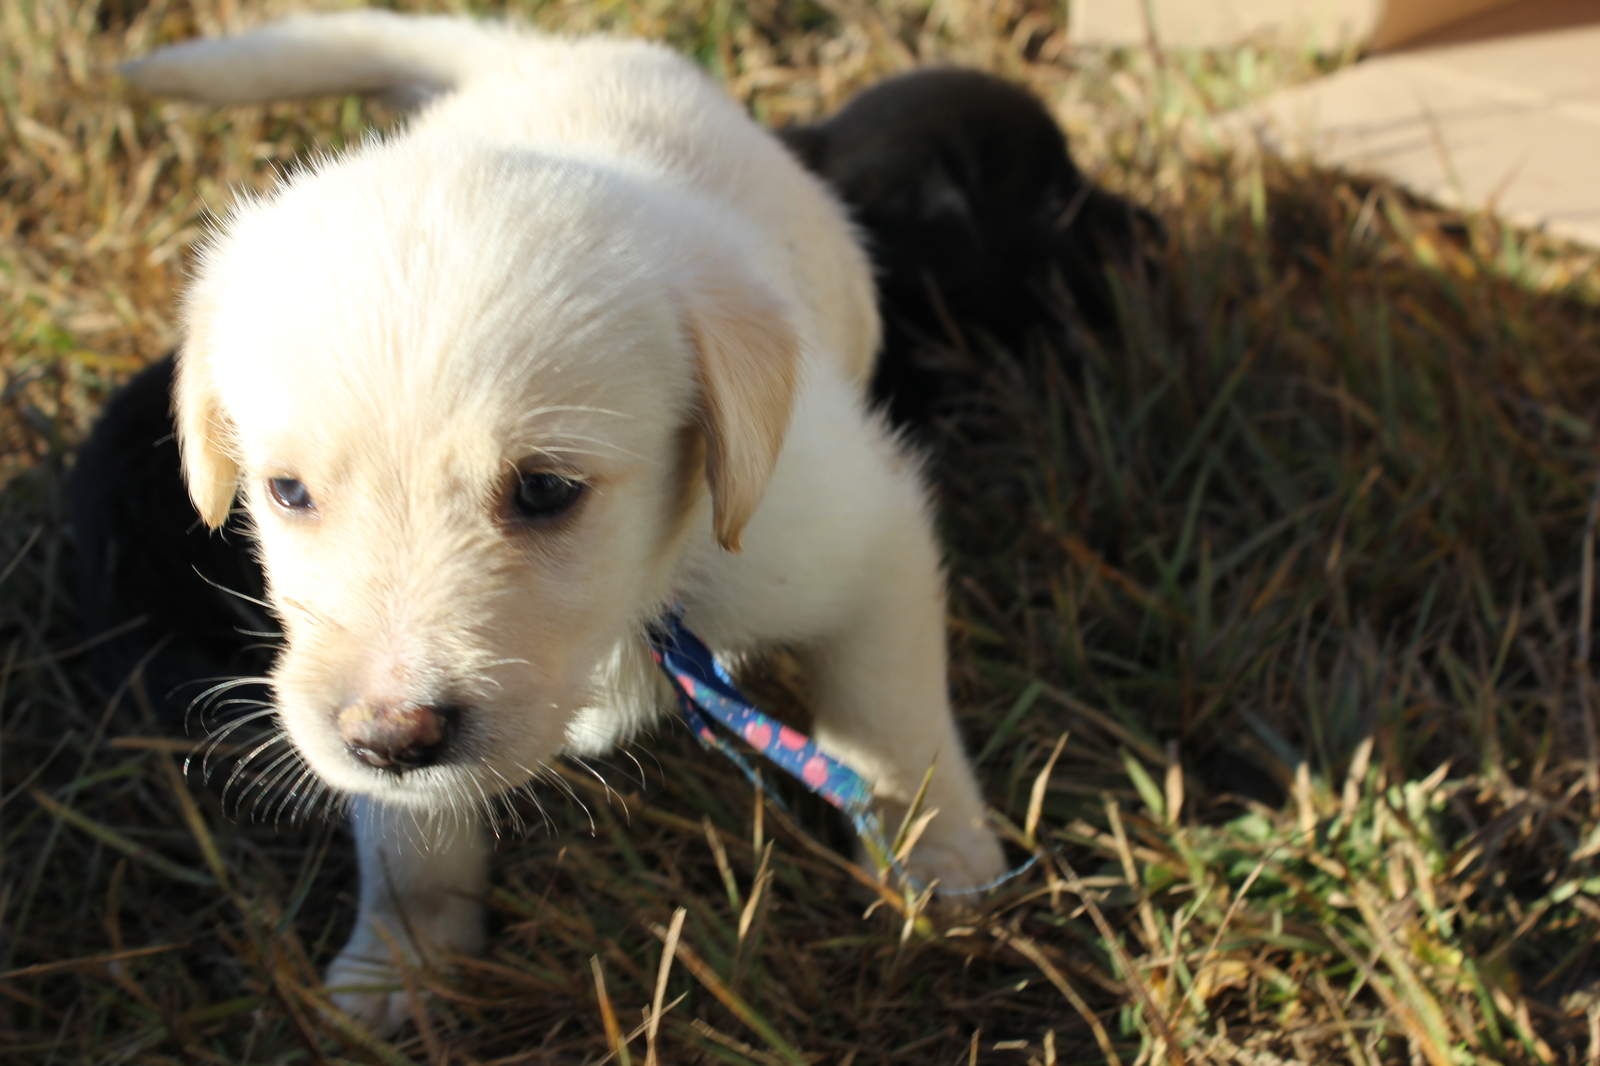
(959, 855)
(374, 996)
(364, 980)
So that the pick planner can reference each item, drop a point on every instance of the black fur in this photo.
(974, 214)
(143, 553)
(971, 206)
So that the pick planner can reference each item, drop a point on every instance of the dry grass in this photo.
(1303, 569)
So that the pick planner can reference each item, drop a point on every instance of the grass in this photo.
(1302, 570)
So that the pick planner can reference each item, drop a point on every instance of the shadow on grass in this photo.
(1314, 531)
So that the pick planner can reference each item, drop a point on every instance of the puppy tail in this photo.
(406, 59)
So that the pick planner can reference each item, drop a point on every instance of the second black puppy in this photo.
(973, 211)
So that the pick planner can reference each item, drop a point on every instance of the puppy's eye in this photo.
(290, 494)
(545, 495)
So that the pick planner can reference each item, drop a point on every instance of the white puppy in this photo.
(580, 340)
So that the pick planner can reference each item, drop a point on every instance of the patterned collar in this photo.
(706, 693)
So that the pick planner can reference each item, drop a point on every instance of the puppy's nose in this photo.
(395, 738)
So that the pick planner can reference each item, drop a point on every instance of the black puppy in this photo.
(971, 206)
(155, 584)
(973, 212)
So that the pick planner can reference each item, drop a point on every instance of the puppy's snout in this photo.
(395, 738)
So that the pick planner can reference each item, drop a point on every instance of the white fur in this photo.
(581, 257)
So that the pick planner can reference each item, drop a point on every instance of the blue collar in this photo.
(706, 693)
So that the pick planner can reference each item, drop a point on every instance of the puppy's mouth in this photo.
(397, 738)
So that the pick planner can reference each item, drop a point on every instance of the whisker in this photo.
(532, 793)
(211, 744)
(505, 797)
(232, 592)
(627, 816)
(340, 804)
(308, 801)
(287, 760)
(574, 408)
(246, 701)
(566, 786)
(255, 709)
(290, 793)
(335, 804)
(239, 768)
(527, 788)
(644, 785)
(306, 786)
(247, 711)
(607, 450)
(651, 755)
(210, 694)
(272, 738)
(484, 810)
(275, 810)
(454, 813)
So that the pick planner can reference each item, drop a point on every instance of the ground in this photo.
(1300, 568)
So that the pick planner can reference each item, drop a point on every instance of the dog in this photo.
(578, 344)
(976, 215)
(970, 208)
(162, 598)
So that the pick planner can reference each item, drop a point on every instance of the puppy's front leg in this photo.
(422, 882)
(882, 705)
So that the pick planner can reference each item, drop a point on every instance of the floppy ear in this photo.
(205, 436)
(747, 360)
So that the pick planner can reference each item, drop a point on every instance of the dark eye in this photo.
(545, 495)
(290, 494)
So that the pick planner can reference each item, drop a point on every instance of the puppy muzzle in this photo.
(396, 738)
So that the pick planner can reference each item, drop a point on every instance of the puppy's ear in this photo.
(747, 359)
(205, 436)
